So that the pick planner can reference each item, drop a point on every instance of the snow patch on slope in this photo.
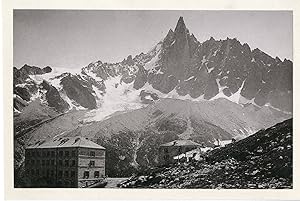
(236, 96)
(244, 101)
(172, 94)
(118, 97)
(233, 98)
(93, 75)
(50, 77)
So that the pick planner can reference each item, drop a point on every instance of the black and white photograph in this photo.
(153, 99)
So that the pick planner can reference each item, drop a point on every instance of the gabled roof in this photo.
(59, 142)
(180, 143)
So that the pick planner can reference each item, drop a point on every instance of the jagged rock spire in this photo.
(180, 27)
(170, 34)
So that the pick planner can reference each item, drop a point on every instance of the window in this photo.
(37, 172)
(60, 173)
(96, 174)
(92, 153)
(86, 174)
(52, 173)
(48, 173)
(100, 153)
(166, 150)
(66, 173)
(72, 173)
(44, 154)
(52, 162)
(52, 153)
(73, 153)
(38, 154)
(32, 172)
(32, 162)
(60, 163)
(73, 163)
(67, 153)
(48, 153)
(28, 153)
(38, 162)
(33, 154)
(48, 162)
(43, 162)
(61, 153)
(66, 163)
(92, 164)
(166, 157)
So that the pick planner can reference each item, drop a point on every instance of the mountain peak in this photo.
(180, 27)
(170, 31)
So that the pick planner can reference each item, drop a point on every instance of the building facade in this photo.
(169, 150)
(68, 162)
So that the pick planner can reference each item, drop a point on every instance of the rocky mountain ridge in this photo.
(179, 66)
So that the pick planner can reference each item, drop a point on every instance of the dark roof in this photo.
(180, 143)
(58, 142)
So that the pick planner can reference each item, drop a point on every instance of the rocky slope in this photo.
(263, 160)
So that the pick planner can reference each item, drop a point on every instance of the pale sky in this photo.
(73, 39)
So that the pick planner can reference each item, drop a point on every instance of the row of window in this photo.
(66, 173)
(44, 153)
(86, 174)
(51, 173)
(41, 162)
(66, 153)
(67, 163)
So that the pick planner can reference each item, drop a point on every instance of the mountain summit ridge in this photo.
(178, 66)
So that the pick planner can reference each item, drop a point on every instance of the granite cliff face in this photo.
(212, 69)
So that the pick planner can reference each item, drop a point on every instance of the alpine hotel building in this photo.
(74, 162)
